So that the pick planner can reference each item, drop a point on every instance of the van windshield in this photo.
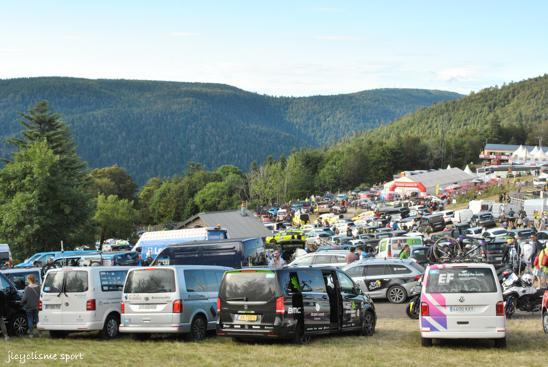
(461, 280)
(249, 286)
(150, 281)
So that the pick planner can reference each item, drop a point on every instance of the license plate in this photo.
(498, 258)
(246, 317)
(52, 307)
(147, 307)
(461, 309)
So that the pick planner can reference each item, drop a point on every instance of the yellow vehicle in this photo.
(285, 236)
(364, 216)
(300, 219)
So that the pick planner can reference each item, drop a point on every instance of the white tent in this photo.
(468, 170)
(540, 155)
(520, 153)
(448, 166)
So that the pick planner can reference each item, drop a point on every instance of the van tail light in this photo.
(418, 278)
(500, 308)
(39, 305)
(122, 307)
(177, 306)
(425, 311)
(218, 304)
(280, 307)
(90, 305)
(389, 253)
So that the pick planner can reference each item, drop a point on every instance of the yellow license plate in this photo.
(247, 317)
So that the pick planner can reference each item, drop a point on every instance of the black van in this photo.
(234, 253)
(16, 316)
(292, 303)
(435, 221)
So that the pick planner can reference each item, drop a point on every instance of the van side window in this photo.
(4, 283)
(112, 281)
(347, 285)
(356, 271)
(311, 281)
(211, 281)
(195, 281)
(76, 281)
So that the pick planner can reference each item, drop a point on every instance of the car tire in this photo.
(426, 342)
(545, 321)
(141, 336)
(19, 326)
(510, 308)
(198, 329)
(396, 294)
(368, 324)
(500, 343)
(111, 327)
(57, 334)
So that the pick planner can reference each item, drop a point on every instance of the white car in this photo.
(335, 258)
(495, 232)
(462, 301)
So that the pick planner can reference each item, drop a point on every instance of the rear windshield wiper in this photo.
(237, 299)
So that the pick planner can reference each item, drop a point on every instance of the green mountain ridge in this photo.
(154, 128)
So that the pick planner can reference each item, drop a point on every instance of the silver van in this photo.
(171, 299)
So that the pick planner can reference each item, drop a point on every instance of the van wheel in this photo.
(368, 324)
(57, 334)
(19, 325)
(396, 294)
(198, 329)
(141, 336)
(500, 343)
(300, 336)
(426, 342)
(110, 330)
(545, 321)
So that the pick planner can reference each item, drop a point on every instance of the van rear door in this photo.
(51, 298)
(75, 296)
(149, 296)
(248, 298)
(463, 299)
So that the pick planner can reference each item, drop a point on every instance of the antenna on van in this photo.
(62, 247)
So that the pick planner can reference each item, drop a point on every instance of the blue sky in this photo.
(280, 47)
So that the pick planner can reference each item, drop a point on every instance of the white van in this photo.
(171, 299)
(391, 247)
(462, 301)
(462, 216)
(82, 299)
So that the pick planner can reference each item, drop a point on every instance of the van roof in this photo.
(177, 267)
(460, 265)
(19, 270)
(69, 268)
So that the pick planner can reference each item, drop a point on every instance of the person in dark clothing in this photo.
(3, 314)
(31, 297)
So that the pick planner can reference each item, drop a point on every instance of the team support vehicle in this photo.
(81, 299)
(177, 299)
(462, 301)
(292, 303)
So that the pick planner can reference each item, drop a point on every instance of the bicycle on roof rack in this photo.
(450, 250)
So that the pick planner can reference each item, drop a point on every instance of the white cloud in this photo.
(463, 73)
(336, 38)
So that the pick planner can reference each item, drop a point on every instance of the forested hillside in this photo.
(156, 128)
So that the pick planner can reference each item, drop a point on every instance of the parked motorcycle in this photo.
(414, 306)
(519, 294)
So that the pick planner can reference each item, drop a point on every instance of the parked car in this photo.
(462, 216)
(19, 276)
(82, 299)
(292, 303)
(495, 233)
(335, 258)
(390, 279)
(391, 247)
(434, 221)
(483, 219)
(16, 320)
(522, 233)
(338, 209)
(462, 301)
(420, 254)
(171, 299)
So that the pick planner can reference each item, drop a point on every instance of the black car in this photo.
(483, 219)
(16, 316)
(434, 221)
(292, 303)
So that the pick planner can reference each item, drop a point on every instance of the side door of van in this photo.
(202, 288)
(383, 248)
(351, 302)
(51, 293)
(316, 308)
(108, 286)
(75, 296)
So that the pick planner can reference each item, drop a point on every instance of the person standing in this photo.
(3, 314)
(351, 256)
(31, 297)
(405, 252)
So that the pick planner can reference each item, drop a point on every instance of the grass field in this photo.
(396, 343)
